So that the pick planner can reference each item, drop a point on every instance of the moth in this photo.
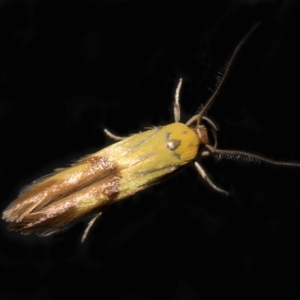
(120, 170)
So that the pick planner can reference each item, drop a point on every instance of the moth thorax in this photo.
(202, 134)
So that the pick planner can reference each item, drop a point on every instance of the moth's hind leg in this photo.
(89, 226)
(114, 137)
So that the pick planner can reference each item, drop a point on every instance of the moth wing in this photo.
(60, 213)
(59, 186)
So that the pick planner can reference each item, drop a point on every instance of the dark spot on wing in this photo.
(169, 168)
(173, 144)
(177, 155)
(157, 129)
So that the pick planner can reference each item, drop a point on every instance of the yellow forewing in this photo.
(108, 175)
(146, 157)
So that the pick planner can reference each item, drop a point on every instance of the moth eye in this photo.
(173, 144)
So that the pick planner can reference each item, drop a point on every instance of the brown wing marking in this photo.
(50, 190)
(61, 213)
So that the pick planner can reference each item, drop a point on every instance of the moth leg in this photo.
(206, 178)
(114, 137)
(176, 102)
(91, 223)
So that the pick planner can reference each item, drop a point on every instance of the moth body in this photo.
(106, 176)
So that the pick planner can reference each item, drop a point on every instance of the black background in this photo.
(71, 68)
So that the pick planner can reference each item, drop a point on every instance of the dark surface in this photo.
(69, 70)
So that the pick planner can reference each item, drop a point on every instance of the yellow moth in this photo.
(119, 171)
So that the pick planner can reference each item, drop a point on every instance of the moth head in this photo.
(202, 132)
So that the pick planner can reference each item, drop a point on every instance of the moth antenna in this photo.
(211, 123)
(176, 102)
(221, 79)
(241, 155)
